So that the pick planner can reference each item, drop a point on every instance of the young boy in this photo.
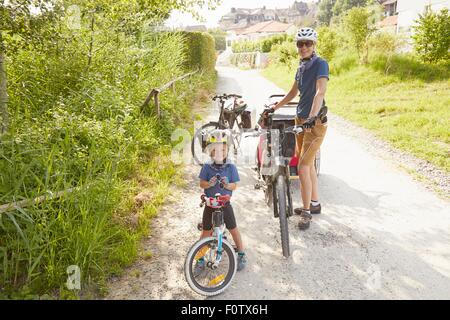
(229, 176)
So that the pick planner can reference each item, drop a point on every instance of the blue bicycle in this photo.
(216, 255)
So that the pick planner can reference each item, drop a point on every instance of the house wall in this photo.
(409, 10)
(408, 13)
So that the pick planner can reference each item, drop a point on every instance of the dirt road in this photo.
(382, 235)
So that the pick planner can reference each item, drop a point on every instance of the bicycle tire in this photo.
(213, 125)
(282, 213)
(188, 273)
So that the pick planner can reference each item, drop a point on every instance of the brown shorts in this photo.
(308, 143)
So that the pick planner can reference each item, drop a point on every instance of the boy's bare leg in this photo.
(237, 239)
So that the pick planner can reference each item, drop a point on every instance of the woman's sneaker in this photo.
(241, 261)
(305, 220)
(313, 209)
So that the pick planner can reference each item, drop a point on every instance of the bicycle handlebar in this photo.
(226, 96)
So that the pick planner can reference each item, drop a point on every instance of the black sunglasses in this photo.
(308, 44)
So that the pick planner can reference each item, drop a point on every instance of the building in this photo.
(260, 31)
(240, 18)
(408, 12)
(400, 15)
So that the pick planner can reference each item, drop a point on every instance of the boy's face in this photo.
(219, 153)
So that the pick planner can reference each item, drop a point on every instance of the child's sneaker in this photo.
(241, 261)
(199, 267)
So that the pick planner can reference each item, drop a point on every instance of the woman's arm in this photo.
(321, 86)
(289, 96)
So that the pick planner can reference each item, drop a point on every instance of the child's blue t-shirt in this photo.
(228, 170)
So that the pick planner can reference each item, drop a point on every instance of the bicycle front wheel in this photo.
(282, 205)
(210, 280)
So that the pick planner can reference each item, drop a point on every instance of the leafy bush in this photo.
(358, 22)
(327, 43)
(246, 46)
(200, 51)
(267, 44)
(432, 36)
(285, 54)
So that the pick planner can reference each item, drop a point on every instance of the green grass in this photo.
(411, 112)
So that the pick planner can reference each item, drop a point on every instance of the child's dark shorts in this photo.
(228, 217)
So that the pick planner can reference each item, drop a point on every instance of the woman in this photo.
(311, 82)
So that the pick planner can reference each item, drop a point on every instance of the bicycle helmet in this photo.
(217, 137)
(307, 34)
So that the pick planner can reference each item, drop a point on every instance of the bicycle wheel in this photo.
(282, 213)
(317, 162)
(196, 144)
(211, 281)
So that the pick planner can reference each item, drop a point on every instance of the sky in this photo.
(212, 18)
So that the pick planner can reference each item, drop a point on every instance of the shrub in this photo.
(327, 43)
(432, 36)
(200, 51)
(285, 54)
(384, 44)
(267, 44)
(358, 23)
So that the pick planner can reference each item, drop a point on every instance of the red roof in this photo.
(389, 21)
(268, 26)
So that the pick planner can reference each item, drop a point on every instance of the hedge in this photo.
(201, 53)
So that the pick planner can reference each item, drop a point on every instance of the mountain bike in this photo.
(232, 114)
(217, 254)
(277, 165)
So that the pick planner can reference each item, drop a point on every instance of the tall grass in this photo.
(80, 127)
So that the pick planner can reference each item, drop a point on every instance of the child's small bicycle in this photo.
(215, 254)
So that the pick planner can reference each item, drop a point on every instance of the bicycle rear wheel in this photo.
(282, 205)
(210, 281)
(197, 145)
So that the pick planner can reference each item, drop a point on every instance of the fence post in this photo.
(156, 96)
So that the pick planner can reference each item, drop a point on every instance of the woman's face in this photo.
(305, 48)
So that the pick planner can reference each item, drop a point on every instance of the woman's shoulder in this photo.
(321, 60)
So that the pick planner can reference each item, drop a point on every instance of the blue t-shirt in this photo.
(307, 85)
(228, 170)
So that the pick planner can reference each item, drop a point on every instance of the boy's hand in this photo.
(212, 182)
(225, 181)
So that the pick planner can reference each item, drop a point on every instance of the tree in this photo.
(432, 36)
(17, 22)
(325, 12)
(341, 6)
(359, 24)
(327, 43)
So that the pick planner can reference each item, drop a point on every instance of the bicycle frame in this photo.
(218, 226)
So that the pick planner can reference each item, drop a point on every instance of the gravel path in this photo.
(382, 234)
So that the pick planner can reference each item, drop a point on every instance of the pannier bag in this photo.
(246, 118)
(288, 145)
